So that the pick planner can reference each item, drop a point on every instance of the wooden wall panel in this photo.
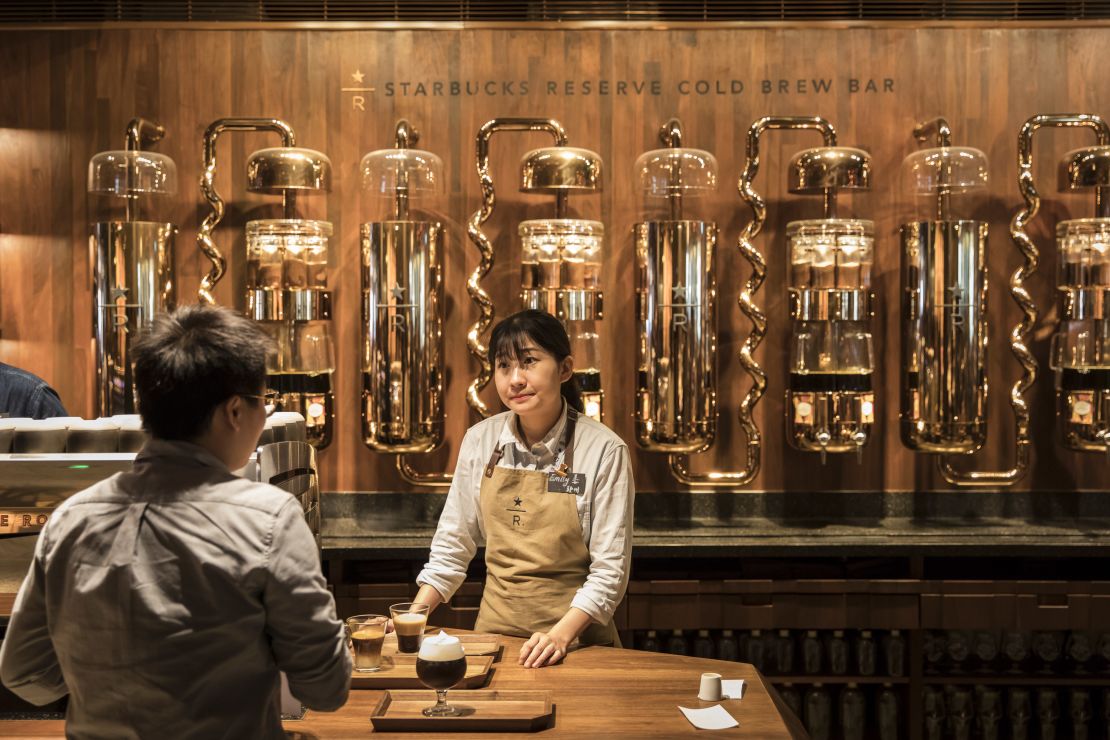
(69, 94)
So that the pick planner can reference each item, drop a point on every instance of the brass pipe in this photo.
(1024, 327)
(141, 132)
(485, 248)
(208, 190)
(680, 463)
(670, 134)
(406, 137)
(938, 127)
(415, 477)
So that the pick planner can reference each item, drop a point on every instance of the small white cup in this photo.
(710, 687)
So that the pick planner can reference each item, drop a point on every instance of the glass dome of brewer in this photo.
(384, 169)
(132, 172)
(927, 171)
(831, 253)
(564, 237)
(666, 172)
(1083, 259)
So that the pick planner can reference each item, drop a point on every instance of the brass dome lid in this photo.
(559, 169)
(813, 171)
(279, 169)
(1085, 168)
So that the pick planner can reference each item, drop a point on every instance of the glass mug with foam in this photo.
(440, 664)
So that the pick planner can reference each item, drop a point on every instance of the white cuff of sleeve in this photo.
(443, 586)
(586, 604)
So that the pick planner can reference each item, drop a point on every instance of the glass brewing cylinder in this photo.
(830, 401)
(561, 274)
(944, 302)
(676, 409)
(131, 246)
(402, 303)
(286, 287)
(1080, 352)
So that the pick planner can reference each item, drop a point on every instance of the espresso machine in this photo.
(131, 250)
(676, 389)
(560, 260)
(402, 304)
(286, 269)
(944, 308)
(1080, 352)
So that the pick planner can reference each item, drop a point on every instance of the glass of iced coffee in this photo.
(409, 620)
(440, 664)
(367, 632)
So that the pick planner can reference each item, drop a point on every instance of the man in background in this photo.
(165, 600)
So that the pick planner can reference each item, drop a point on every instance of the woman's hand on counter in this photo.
(543, 649)
(548, 648)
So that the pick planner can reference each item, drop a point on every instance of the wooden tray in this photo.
(489, 710)
(399, 672)
(481, 644)
(477, 644)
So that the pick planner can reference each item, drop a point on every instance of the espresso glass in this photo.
(367, 633)
(409, 621)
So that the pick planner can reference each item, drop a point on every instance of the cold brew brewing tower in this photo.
(830, 402)
(1080, 352)
(131, 248)
(944, 307)
(286, 269)
(402, 304)
(561, 256)
(676, 401)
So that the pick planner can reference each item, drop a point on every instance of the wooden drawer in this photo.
(766, 604)
(1015, 605)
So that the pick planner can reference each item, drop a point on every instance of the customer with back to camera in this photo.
(165, 600)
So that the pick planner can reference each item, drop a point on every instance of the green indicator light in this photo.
(78, 467)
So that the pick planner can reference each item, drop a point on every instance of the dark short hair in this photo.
(191, 360)
(548, 333)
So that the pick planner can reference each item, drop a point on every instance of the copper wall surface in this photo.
(67, 94)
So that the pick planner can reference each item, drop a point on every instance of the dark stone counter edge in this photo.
(387, 547)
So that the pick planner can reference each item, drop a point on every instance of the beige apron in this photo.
(535, 557)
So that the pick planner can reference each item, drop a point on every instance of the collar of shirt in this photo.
(180, 452)
(543, 452)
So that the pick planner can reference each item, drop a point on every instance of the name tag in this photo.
(574, 483)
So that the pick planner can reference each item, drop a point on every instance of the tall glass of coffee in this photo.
(367, 633)
(409, 620)
(440, 664)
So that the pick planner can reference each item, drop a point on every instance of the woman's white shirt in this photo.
(604, 510)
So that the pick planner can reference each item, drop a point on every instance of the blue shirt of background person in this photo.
(25, 395)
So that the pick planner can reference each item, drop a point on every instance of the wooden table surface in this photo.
(597, 692)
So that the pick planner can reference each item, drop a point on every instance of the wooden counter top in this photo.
(596, 691)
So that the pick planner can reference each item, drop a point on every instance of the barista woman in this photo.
(549, 492)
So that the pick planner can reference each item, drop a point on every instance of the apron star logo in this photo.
(517, 501)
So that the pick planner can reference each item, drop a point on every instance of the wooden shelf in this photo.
(1023, 680)
(861, 680)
